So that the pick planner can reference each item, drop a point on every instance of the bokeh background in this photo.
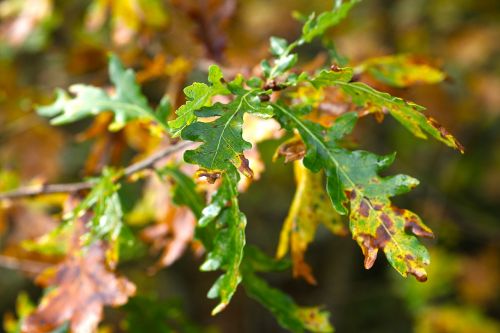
(46, 44)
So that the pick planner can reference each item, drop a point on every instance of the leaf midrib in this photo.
(217, 149)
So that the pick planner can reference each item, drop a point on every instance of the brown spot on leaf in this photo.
(210, 176)
(293, 150)
(419, 273)
(418, 228)
(273, 85)
(335, 68)
(264, 98)
(382, 237)
(388, 223)
(398, 211)
(243, 166)
(369, 249)
(364, 208)
(409, 257)
(443, 132)
(352, 195)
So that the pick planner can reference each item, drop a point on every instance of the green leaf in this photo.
(223, 144)
(226, 249)
(407, 113)
(401, 70)
(127, 89)
(288, 314)
(278, 46)
(198, 95)
(258, 261)
(375, 224)
(107, 219)
(316, 26)
(320, 153)
(164, 108)
(325, 77)
(127, 103)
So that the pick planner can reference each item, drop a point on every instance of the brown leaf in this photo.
(293, 150)
(172, 235)
(83, 285)
(310, 208)
(243, 165)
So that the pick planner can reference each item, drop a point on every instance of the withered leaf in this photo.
(173, 202)
(171, 236)
(292, 149)
(310, 208)
(83, 285)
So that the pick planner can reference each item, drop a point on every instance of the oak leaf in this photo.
(375, 224)
(83, 285)
(310, 208)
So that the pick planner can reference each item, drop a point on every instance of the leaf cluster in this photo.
(333, 180)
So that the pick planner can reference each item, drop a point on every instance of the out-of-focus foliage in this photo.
(202, 59)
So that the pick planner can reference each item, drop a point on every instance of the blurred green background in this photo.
(63, 42)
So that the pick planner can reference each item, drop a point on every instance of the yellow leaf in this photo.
(311, 207)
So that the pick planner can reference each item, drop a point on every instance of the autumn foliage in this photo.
(174, 132)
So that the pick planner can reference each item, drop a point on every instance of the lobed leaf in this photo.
(226, 248)
(223, 143)
(83, 285)
(127, 104)
(407, 113)
(198, 95)
(375, 224)
(317, 26)
(107, 215)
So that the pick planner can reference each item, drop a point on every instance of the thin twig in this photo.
(149, 162)
(28, 266)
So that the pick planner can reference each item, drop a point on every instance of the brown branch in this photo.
(28, 266)
(149, 162)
